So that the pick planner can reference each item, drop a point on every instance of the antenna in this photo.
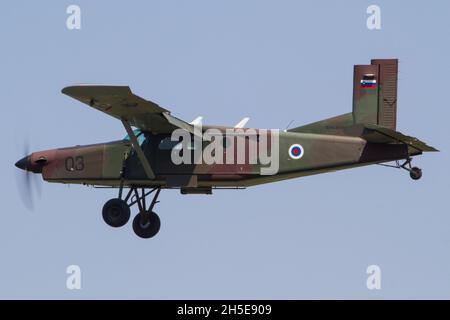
(242, 123)
(289, 124)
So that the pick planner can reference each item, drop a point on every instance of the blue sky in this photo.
(274, 61)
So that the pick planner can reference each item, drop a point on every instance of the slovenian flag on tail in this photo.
(369, 81)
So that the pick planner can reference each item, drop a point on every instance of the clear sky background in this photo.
(274, 61)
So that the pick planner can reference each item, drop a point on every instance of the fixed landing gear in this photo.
(146, 224)
(116, 213)
(414, 172)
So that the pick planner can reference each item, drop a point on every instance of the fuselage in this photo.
(113, 163)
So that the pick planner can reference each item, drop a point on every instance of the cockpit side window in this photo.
(168, 144)
(139, 135)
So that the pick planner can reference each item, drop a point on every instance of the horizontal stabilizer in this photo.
(377, 134)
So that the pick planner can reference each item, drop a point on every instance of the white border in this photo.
(301, 153)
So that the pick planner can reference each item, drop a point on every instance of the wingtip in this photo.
(86, 86)
(431, 149)
(70, 89)
(65, 90)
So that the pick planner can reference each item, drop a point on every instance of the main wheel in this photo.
(147, 228)
(116, 213)
(415, 173)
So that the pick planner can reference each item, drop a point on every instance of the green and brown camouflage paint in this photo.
(350, 140)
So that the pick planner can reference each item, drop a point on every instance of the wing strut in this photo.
(147, 168)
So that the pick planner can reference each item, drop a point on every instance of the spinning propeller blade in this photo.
(28, 183)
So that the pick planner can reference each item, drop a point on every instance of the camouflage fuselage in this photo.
(107, 164)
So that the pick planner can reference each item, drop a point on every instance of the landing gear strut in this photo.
(146, 224)
(414, 172)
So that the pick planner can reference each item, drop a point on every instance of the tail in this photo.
(374, 114)
(374, 100)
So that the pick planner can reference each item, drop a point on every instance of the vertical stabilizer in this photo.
(365, 94)
(375, 93)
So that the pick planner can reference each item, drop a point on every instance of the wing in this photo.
(121, 103)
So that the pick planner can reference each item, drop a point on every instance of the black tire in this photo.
(116, 213)
(415, 173)
(150, 228)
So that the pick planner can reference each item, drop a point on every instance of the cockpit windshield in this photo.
(139, 135)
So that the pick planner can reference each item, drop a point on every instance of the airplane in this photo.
(142, 164)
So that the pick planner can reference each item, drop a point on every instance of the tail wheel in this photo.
(146, 225)
(116, 213)
(415, 173)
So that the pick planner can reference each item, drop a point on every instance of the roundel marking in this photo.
(296, 151)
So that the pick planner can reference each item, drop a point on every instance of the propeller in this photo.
(29, 184)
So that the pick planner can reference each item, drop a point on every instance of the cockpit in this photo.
(139, 135)
(166, 143)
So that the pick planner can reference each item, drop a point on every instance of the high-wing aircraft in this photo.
(161, 151)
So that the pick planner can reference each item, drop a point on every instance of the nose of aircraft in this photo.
(23, 163)
(36, 161)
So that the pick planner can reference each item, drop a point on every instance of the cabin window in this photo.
(227, 142)
(168, 144)
(139, 136)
